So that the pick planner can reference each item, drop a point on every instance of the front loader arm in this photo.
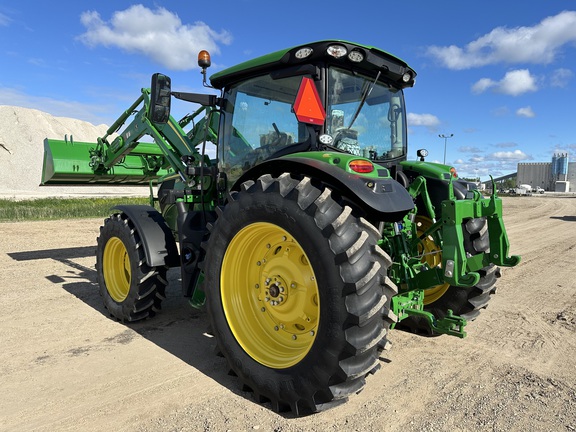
(125, 160)
(169, 137)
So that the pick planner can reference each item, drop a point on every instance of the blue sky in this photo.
(498, 75)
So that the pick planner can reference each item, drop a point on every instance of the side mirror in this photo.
(160, 94)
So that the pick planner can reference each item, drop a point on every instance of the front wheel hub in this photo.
(275, 290)
(117, 270)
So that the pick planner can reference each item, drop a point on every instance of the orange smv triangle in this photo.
(307, 107)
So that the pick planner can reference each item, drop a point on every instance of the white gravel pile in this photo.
(22, 134)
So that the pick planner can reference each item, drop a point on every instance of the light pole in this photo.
(445, 139)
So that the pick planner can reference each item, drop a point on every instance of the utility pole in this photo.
(445, 139)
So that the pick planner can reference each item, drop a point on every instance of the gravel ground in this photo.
(66, 366)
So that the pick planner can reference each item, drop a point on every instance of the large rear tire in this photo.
(466, 302)
(131, 289)
(297, 293)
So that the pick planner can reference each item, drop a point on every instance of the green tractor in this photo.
(295, 217)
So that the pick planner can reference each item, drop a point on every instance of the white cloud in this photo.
(514, 83)
(4, 20)
(560, 77)
(469, 149)
(482, 85)
(502, 111)
(427, 120)
(476, 159)
(517, 82)
(39, 62)
(510, 155)
(525, 112)
(539, 44)
(158, 34)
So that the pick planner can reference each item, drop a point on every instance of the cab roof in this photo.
(374, 60)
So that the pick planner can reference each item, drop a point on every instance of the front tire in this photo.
(131, 289)
(297, 293)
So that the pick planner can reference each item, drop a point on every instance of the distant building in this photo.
(536, 174)
(558, 175)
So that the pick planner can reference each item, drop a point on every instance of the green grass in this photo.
(61, 208)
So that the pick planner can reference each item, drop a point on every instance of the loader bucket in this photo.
(68, 162)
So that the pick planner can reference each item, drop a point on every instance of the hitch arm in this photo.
(459, 269)
(451, 324)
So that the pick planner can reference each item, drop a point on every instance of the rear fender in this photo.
(438, 182)
(157, 239)
(381, 198)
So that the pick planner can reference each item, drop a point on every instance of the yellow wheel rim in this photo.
(116, 269)
(270, 295)
(432, 256)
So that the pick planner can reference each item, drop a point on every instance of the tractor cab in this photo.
(325, 96)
